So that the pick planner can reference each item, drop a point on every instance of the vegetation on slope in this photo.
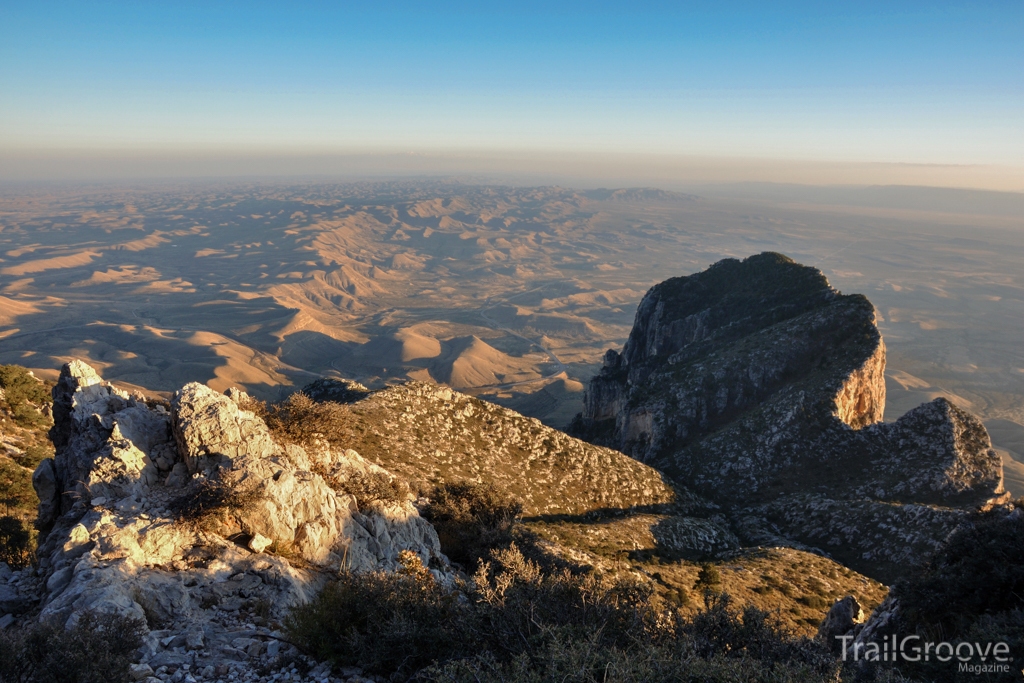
(24, 423)
(971, 590)
(797, 586)
(431, 435)
(471, 520)
(98, 647)
(515, 622)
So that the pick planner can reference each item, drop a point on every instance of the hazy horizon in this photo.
(654, 95)
(582, 171)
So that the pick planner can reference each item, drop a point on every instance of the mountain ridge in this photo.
(755, 380)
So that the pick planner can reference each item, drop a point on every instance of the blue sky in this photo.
(891, 82)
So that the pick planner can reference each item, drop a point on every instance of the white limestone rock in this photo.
(113, 543)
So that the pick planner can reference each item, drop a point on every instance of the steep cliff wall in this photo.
(755, 379)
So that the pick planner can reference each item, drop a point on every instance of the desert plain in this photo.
(508, 293)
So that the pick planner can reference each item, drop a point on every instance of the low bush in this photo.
(16, 492)
(97, 649)
(385, 623)
(17, 544)
(978, 571)
(516, 623)
(568, 660)
(302, 421)
(708, 578)
(371, 486)
(205, 500)
(472, 520)
(971, 590)
(815, 601)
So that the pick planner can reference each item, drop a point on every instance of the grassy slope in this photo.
(801, 586)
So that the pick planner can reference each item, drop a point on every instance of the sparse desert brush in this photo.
(523, 603)
(98, 649)
(370, 486)
(206, 500)
(472, 520)
(516, 622)
(302, 421)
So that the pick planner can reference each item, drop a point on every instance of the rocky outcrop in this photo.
(169, 515)
(435, 434)
(694, 538)
(844, 617)
(336, 390)
(110, 445)
(755, 381)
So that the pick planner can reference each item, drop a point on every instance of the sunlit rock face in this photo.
(755, 381)
(115, 539)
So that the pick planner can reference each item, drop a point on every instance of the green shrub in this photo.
(17, 542)
(23, 393)
(98, 649)
(27, 416)
(21, 387)
(472, 520)
(34, 455)
(708, 578)
(515, 622)
(678, 597)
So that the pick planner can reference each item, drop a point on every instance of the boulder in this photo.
(843, 618)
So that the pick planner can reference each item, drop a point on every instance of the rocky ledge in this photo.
(194, 519)
(758, 385)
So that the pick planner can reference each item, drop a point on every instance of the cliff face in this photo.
(166, 515)
(755, 380)
(727, 349)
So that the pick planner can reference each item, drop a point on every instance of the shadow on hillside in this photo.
(604, 514)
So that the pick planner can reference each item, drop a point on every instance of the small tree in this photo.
(15, 542)
(708, 578)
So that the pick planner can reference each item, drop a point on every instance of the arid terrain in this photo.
(509, 294)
